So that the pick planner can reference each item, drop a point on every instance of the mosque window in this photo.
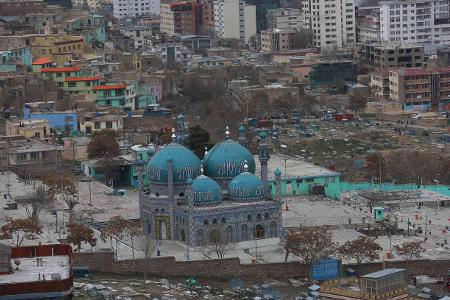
(162, 209)
(249, 217)
(181, 194)
(157, 194)
(214, 221)
(224, 220)
(266, 215)
(258, 216)
(206, 222)
(156, 209)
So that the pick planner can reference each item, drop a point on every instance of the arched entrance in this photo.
(244, 232)
(200, 238)
(273, 229)
(162, 230)
(183, 235)
(259, 232)
(230, 234)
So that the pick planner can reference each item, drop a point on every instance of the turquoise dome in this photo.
(185, 164)
(277, 172)
(226, 160)
(247, 187)
(206, 191)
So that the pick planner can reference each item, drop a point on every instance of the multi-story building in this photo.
(116, 95)
(367, 24)
(59, 120)
(384, 55)
(277, 40)
(234, 19)
(135, 8)
(379, 84)
(331, 75)
(418, 89)
(284, 19)
(332, 22)
(416, 21)
(59, 48)
(180, 17)
(262, 6)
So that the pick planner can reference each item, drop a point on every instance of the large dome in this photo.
(247, 187)
(185, 164)
(226, 160)
(205, 191)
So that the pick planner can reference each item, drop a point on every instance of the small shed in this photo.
(5, 258)
(384, 281)
(378, 213)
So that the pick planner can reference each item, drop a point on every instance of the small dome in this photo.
(185, 164)
(263, 134)
(206, 192)
(226, 160)
(277, 172)
(247, 187)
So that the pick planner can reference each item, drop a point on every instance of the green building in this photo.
(116, 95)
(303, 178)
(81, 85)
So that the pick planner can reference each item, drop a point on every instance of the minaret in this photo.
(181, 130)
(242, 137)
(227, 133)
(171, 190)
(190, 204)
(277, 185)
(263, 154)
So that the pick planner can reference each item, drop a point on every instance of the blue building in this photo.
(217, 199)
(59, 120)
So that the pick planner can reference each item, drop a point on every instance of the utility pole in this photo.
(90, 193)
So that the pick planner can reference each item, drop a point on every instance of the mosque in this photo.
(219, 198)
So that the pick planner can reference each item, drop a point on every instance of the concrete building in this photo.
(386, 55)
(234, 19)
(39, 129)
(91, 122)
(59, 120)
(75, 148)
(379, 85)
(424, 21)
(284, 19)
(331, 75)
(418, 89)
(116, 95)
(58, 48)
(262, 6)
(332, 22)
(180, 18)
(135, 8)
(367, 24)
(277, 40)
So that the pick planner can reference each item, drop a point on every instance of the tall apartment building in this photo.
(180, 17)
(134, 8)
(384, 55)
(418, 88)
(284, 19)
(331, 21)
(262, 6)
(277, 40)
(418, 21)
(234, 19)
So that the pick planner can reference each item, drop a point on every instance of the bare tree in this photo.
(115, 228)
(79, 233)
(362, 249)
(21, 229)
(217, 244)
(63, 185)
(410, 250)
(148, 246)
(310, 244)
(35, 202)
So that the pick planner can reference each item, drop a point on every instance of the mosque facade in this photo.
(216, 199)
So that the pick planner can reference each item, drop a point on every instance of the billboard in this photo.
(325, 269)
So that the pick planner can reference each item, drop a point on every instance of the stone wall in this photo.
(103, 262)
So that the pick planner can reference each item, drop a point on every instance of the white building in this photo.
(134, 8)
(284, 18)
(425, 22)
(331, 21)
(234, 19)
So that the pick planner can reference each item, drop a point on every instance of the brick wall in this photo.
(103, 262)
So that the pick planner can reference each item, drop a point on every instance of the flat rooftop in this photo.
(383, 273)
(29, 270)
(295, 168)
